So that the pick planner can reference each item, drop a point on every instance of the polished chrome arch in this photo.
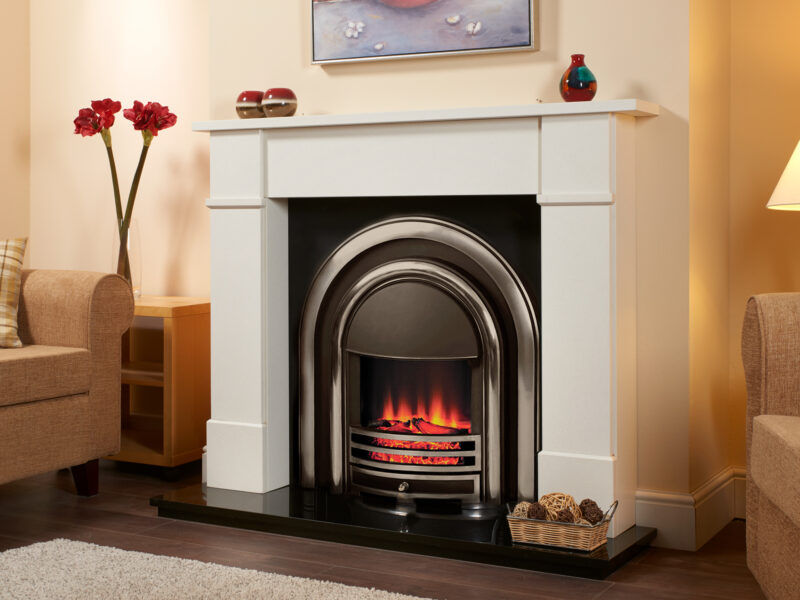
(519, 304)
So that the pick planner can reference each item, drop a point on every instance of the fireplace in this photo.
(577, 159)
(417, 338)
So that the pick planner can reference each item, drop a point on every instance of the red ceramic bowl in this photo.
(279, 102)
(406, 3)
(248, 104)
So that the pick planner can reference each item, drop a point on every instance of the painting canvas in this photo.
(347, 30)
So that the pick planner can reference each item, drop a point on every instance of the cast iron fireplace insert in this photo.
(418, 368)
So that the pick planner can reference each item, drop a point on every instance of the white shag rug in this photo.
(66, 570)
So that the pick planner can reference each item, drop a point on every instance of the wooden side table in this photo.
(166, 386)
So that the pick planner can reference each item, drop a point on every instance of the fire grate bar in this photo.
(358, 452)
(413, 451)
(411, 437)
(404, 468)
(412, 486)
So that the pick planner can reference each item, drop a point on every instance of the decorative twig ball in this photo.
(558, 501)
(564, 516)
(521, 509)
(537, 511)
(591, 512)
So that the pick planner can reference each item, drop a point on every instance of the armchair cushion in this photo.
(775, 461)
(39, 372)
(11, 253)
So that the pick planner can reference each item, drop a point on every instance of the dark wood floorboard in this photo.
(45, 507)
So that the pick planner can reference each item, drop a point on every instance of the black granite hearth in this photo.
(472, 535)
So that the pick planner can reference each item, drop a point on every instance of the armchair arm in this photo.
(73, 308)
(771, 356)
(80, 309)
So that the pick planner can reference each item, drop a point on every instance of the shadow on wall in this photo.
(181, 251)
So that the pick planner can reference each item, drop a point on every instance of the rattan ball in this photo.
(565, 516)
(537, 511)
(558, 501)
(591, 512)
(522, 509)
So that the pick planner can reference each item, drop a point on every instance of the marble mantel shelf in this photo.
(632, 107)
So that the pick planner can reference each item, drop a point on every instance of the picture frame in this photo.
(367, 30)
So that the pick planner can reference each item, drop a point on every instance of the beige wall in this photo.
(636, 49)
(765, 127)
(705, 240)
(88, 49)
(15, 120)
(709, 173)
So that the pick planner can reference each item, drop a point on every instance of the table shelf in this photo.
(166, 391)
(143, 373)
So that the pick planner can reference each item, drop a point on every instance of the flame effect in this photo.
(418, 398)
(432, 409)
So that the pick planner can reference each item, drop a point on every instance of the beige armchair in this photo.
(771, 356)
(60, 392)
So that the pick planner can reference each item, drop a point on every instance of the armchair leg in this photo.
(87, 477)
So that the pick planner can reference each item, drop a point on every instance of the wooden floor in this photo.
(45, 507)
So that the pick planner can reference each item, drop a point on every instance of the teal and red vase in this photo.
(578, 82)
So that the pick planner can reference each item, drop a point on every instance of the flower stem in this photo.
(134, 188)
(123, 261)
(115, 182)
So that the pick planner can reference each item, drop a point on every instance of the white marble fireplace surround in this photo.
(578, 159)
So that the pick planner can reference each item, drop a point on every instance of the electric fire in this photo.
(414, 375)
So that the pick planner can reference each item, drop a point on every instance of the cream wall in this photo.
(14, 120)
(765, 127)
(705, 241)
(723, 71)
(88, 50)
(84, 50)
(709, 173)
(636, 49)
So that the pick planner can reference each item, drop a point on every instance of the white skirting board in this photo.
(687, 521)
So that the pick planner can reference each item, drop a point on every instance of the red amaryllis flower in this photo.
(87, 122)
(148, 118)
(151, 117)
(105, 110)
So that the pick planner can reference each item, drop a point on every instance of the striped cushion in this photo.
(11, 253)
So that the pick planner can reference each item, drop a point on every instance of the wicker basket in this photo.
(563, 535)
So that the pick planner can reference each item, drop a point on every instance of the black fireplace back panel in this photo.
(437, 390)
(317, 226)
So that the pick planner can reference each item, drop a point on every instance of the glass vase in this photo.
(128, 263)
(578, 83)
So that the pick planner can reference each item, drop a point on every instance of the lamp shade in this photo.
(787, 193)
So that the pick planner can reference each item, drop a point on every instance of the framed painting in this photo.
(357, 30)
